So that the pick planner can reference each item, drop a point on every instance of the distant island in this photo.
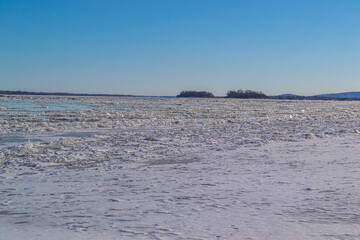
(230, 94)
(199, 94)
(246, 94)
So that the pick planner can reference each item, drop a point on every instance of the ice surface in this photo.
(167, 168)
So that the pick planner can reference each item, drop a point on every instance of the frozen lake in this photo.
(167, 168)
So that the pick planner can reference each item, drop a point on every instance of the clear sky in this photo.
(161, 47)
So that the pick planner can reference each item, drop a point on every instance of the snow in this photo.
(167, 168)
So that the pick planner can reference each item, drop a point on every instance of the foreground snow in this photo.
(181, 169)
(307, 190)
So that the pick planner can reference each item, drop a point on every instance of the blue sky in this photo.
(162, 47)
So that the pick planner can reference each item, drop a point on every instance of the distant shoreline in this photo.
(279, 97)
(26, 93)
(2, 92)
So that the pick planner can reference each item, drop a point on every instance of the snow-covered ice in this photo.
(170, 168)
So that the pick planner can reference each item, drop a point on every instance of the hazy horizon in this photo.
(141, 95)
(160, 48)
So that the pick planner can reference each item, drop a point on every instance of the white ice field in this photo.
(168, 168)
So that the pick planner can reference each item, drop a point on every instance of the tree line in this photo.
(230, 94)
(201, 94)
(246, 94)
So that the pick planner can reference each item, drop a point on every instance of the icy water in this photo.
(167, 168)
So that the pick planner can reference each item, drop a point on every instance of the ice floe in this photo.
(171, 168)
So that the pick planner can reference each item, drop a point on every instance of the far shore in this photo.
(278, 97)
